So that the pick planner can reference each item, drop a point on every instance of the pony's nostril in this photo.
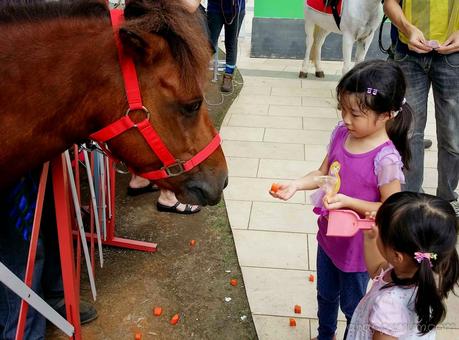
(226, 183)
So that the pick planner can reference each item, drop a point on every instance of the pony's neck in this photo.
(76, 64)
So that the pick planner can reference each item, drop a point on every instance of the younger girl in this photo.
(417, 239)
(364, 156)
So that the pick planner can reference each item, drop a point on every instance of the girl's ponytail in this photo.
(429, 306)
(397, 130)
(448, 274)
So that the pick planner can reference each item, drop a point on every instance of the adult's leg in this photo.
(215, 22)
(353, 287)
(327, 295)
(445, 83)
(418, 84)
(231, 35)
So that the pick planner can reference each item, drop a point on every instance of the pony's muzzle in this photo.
(205, 193)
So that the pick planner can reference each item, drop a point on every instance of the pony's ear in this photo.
(140, 45)
(134, 9)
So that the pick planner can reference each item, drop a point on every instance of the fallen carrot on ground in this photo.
(233, 282)
(311, 278)
(275, 187)
(192, 243)
(292, 322)
(297, 309)
(157, 311)
(174, 319)
(138, 336)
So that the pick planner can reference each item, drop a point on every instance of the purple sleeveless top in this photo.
(360, 177)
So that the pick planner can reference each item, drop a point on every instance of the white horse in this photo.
(359, 21)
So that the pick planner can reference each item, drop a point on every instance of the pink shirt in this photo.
(360, 177)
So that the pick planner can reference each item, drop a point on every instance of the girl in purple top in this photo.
(365, 155)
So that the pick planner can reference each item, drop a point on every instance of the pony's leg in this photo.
(348, 41)
(309, 30)
(319, 38)
(362, 47)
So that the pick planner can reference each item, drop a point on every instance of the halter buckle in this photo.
(174, 169)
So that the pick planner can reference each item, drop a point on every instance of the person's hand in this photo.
(284, 191)
(416, 41)
(371, 234)
(335, 201)
(451, 44)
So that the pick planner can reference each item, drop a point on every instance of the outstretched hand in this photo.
(371, 234)
(283, 191)
(451, 44)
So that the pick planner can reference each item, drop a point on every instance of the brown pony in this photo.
(61, 81)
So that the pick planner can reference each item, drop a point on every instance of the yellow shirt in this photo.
(437, 19)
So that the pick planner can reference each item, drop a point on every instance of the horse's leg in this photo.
(319, 38)
(348, 41)
(309, 30)
(362, 48)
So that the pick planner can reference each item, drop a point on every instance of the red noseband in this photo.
(172, 166)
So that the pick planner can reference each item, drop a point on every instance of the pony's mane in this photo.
(184, 32)
(38, 10)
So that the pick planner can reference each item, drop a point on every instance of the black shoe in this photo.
(143, 190)
(87, 311)
(427, 143)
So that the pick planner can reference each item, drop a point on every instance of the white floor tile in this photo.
(263, 150)
(276, 168)
(238, 213)
(250, 134)
(242, 167)
(266, 121)
(278, 328)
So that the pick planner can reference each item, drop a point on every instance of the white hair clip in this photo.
(372, 91)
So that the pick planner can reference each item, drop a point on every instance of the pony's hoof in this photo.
(303, 75)
(320, 74)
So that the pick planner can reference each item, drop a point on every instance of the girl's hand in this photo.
(335, 201)
(451, 44)
(284, 191)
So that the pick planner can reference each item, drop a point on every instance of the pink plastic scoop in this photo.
(346, 223)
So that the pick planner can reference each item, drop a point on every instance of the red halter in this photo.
(172, 167)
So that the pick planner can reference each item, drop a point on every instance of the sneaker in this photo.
(227, 84)
(455, 205)
(87, 311)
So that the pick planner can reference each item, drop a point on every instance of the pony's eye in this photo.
(192, 108)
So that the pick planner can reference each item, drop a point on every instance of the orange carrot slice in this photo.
(138, 336)
(275, 187)
(311, 278)
(175, 319)
(233, 282)
(297, 309)
(292, 322)
(157, 311)
(192, 243)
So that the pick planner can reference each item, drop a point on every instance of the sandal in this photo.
(173, 209)
(143, 190)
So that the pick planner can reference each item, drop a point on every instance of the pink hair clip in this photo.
(420, 256)
(372, 91)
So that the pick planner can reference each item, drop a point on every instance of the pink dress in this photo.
(389, 310)
(360, 176)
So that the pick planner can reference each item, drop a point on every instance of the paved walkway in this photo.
(277, 130)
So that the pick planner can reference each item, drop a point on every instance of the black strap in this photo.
(336, 15)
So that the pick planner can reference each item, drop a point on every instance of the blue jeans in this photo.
(216, 22)
(47, 279)
(442, 73)
(336, 288)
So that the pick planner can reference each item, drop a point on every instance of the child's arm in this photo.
(374, 261)
(307, 182)
(340, 201)
(381, 336)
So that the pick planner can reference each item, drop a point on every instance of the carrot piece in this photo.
(292, 322)
(192, 243)
(275, 187)
(297, 309)
(311, 278)
(233, 282)
(174, 319)
(138, 336)
(157, 311)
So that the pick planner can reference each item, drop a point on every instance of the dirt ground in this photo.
(190, 281)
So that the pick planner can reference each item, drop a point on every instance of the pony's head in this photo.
(172, 55)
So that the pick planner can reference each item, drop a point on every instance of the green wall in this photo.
(290, 9)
